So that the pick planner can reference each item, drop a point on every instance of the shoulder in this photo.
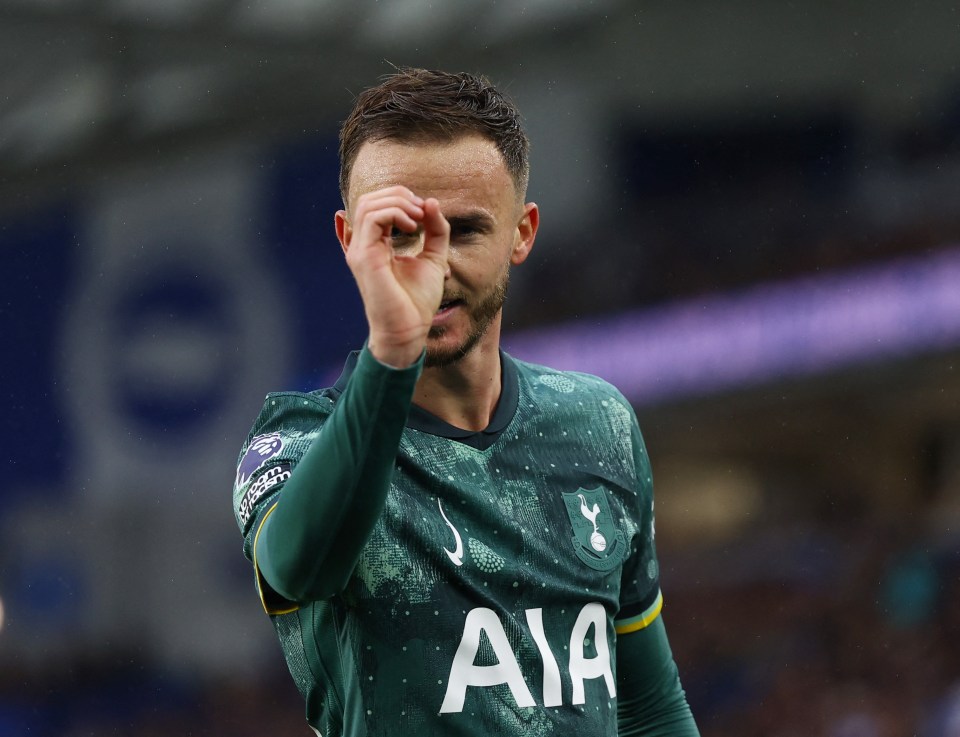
(286, 423)
(591, 404)
(282, 432)
(287, 416)
(573, 385)
(292, 408)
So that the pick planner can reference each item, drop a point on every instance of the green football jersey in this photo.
(489, 596)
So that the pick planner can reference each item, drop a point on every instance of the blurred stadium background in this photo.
(750, 223)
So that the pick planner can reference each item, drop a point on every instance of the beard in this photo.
(481, 316)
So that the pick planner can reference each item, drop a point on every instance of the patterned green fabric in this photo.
(485, 599)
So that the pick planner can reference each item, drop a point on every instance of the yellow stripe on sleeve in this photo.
(268, 608)
(641, 620)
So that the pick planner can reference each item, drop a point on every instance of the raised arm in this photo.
(308, 543)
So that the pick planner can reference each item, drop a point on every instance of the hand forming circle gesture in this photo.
(401, 288)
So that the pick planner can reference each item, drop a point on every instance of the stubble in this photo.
(481, 314)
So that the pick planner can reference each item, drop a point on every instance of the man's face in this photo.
(490, 229)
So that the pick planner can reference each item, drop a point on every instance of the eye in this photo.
(401, 236)
(464, 232)
(470, 227)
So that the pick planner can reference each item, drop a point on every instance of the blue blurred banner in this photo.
(147, 317)
(151, 314)
(39, 256)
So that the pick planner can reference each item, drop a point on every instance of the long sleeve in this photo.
(310, 540)
(650, 700)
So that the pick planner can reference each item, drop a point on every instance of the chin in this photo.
(443, 352)
(443, 346)
(441, 356)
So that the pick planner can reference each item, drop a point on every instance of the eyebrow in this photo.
(476, 220)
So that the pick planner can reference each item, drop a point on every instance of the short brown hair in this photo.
(427, 105)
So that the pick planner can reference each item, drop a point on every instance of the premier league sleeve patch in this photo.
(262, 448)
(269, 480)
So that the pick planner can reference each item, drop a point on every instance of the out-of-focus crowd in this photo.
(117, 695)
(855, 634)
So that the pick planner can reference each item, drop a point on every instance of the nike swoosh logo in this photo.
(456, 555)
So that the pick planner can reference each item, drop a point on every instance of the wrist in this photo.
(394, 356)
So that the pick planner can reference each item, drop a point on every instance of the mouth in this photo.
(447, 305)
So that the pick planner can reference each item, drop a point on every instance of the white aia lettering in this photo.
(464, 672)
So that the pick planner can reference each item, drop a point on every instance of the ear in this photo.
(341, 224)
(526, 233)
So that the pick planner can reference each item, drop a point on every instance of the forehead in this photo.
(467, 171)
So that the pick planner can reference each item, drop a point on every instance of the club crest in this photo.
(595, 539)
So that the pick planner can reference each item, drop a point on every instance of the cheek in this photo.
(468, 259)
(480, 263)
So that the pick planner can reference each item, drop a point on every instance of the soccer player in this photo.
(450, 541)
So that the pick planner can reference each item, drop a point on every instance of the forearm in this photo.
(650, 700)
(309, 543)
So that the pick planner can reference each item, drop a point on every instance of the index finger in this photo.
(436, 228)
(394, 191)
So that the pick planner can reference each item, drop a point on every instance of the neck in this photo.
(464, 394)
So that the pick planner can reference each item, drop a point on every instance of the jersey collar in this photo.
(423, 421)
